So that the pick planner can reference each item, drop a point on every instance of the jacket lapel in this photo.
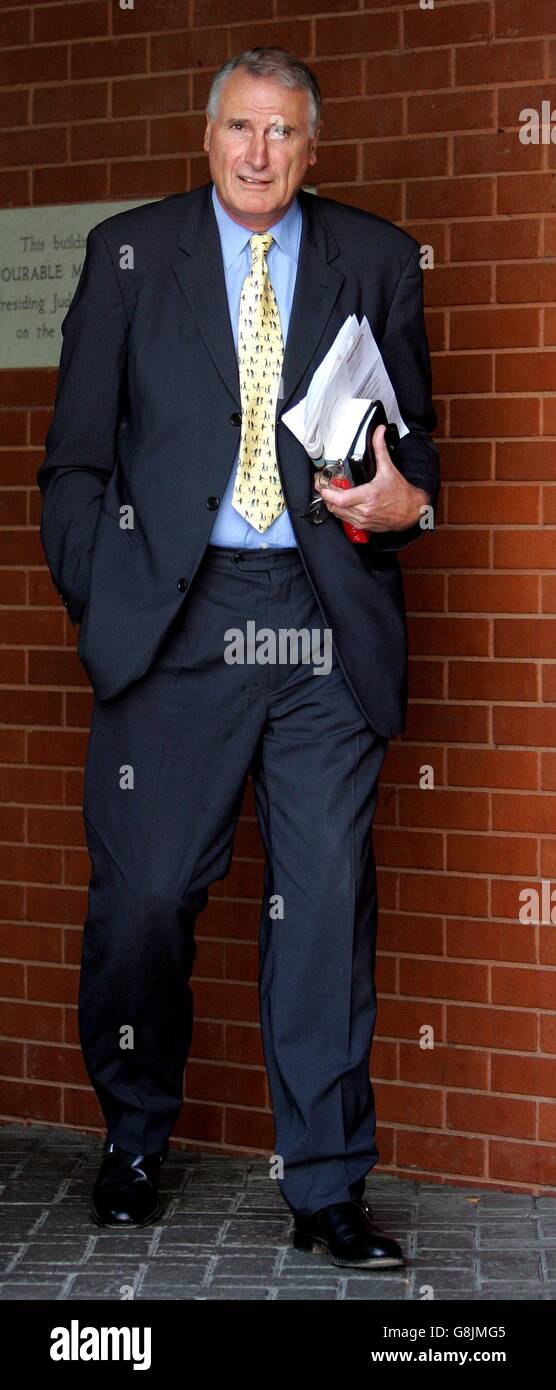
(200, 273)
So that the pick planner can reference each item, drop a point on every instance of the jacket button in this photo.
(213, 503)
(183, 584)
(235, 417)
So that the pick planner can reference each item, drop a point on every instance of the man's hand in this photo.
(388, 503)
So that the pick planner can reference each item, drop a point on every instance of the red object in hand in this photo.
(354, 533)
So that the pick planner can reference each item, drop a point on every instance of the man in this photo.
(173, 514)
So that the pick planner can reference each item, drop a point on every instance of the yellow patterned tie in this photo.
(257, 494)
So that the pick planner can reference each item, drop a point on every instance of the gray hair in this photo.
(270, 62)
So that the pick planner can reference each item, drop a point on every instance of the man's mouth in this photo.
(255, 183)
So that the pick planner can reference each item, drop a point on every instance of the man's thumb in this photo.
(380, 451)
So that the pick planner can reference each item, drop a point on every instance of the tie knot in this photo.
(260, 243)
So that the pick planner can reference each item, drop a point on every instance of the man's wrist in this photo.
(420, 500)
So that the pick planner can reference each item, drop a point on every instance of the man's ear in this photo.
(314, 138)
(206, 136)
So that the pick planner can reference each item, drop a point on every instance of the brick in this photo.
(501, 505)
(492, 680)
(146, 95)
(493, 327)
(33, 146)
(243, 1045)
(48, 63)
(491, 854)
(527, 192)
(502, 152)
(407, 1104)
(536, 281)
(516, 811)
(513, 100)
(500, 1029)
(172, 133)
(370, 33)
(447, 25)
(32, 1021)
(449, 111)
(549, 684)
(440, 893)
(402, 159)
(463, 373)
(491, 1115)
(444, 809)
(426, 679)
(384, 200)
(524, 550)
(466, 459)
(409, 849)
(72, 21)
(490, 940)
(528, 458)
(108, 139)
(447, 635)
(454, 723)
(82, 183)
(513, 19)
(495, 239)
(226, 1083)
(512, 369)
(405, 71)
(493, 593)
(509, 62)
(529, 726)
(250, 1128)
(51, 104)
(110, 57)
(14, 108)
(439, 1152)
(515, 416)
(449, 197)
(39, 1101)
(360, 117)
(531, 1076)
(146, 178)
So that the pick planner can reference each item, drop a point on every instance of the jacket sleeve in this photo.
(80, 443)
(405, 350)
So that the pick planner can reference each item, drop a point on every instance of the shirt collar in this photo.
(234, 237)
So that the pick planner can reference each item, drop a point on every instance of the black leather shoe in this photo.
(126, 1189)
(347, 1233)
(357, 1192)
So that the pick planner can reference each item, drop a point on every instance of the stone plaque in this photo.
(42, 252)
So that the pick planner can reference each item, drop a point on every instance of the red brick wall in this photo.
(421, 125)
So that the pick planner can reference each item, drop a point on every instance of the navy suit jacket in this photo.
(147, 414)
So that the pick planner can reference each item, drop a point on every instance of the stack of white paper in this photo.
(350, 376)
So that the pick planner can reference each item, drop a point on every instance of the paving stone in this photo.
(225, 1234)
(376, 1289)
(442, 1277)
(247, 1292)
(500, 1266)
(522, 1235)
(32, 1290)
(462, 1238)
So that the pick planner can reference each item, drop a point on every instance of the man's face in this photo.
(259, 147)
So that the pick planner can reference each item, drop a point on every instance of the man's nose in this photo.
(257, 153)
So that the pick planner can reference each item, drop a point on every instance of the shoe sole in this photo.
(315, 1245)
(124, 1225)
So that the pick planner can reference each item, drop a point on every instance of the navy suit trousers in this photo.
(166, 766)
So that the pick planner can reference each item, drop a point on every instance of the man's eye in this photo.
(277, 132)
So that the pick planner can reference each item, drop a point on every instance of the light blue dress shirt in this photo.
(230, 528)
